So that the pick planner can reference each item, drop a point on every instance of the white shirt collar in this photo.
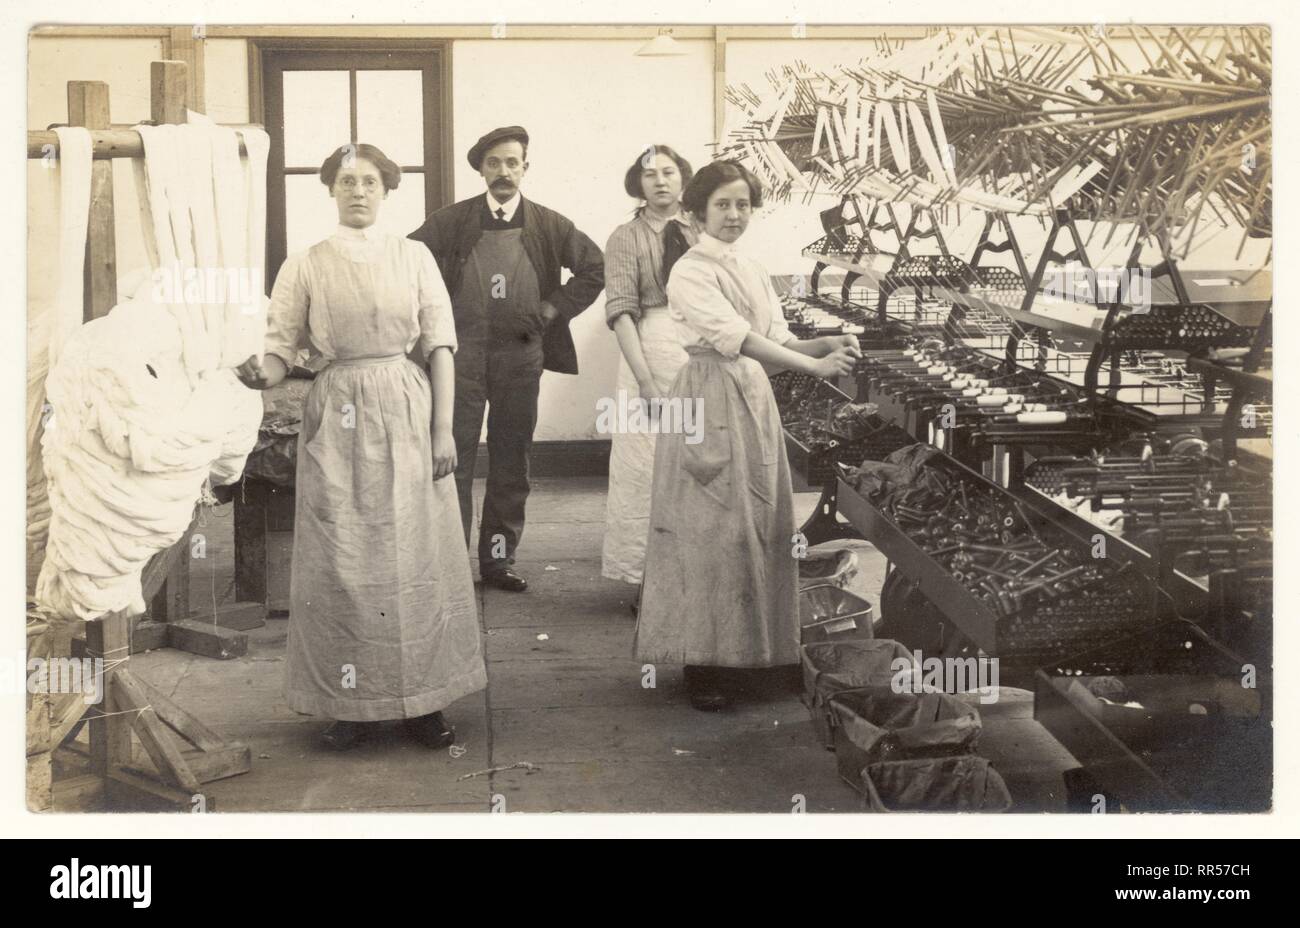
(716, 246)
(368, 234)
(509, 205)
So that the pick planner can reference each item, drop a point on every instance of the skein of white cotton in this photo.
(132, 439)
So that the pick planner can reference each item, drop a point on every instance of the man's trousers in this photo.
(503, 375)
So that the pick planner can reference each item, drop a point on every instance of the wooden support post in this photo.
(167, 92)
(172, 602)
(151, 631)
(263, 532)
(88, 107)
(110, 736)
(185, 44)
(250, 541)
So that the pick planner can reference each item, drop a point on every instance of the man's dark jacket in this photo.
(551, 242)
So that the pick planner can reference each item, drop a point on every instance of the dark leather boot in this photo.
(431, 730)
(342, 735)
(705, 690)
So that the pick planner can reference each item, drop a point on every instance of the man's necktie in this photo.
(501, 214)
(675, 245)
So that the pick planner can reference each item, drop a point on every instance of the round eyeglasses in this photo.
(370, 184)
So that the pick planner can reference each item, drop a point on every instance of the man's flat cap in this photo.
(519, 133)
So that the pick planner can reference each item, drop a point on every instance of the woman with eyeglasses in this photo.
(721, 580)
(638, 259)
(382, 619)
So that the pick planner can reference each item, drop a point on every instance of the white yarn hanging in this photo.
(146, 407)
(55, 308)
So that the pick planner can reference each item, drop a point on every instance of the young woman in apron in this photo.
(382, 620)
(638, 259)
(721, 579)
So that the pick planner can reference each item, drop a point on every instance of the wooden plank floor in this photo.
(564, 696)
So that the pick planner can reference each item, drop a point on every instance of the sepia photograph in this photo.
(526, 416)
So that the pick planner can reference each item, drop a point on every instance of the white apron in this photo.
(721, 581)
(632, 454)
(382, 621)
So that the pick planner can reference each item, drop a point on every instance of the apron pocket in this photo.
(708, 458)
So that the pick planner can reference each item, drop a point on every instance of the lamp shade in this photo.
(660, 46)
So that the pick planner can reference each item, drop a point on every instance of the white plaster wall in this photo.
(590, 107)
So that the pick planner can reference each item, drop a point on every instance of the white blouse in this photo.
(322, 299)
(717, 296)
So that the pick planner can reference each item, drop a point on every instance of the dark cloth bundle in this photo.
(903, 470)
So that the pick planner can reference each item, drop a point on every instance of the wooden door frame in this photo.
(269, 58)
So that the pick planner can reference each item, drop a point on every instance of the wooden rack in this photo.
(185, 752)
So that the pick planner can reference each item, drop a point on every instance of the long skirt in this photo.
(382, 620)
(721, 580)
(632, 454)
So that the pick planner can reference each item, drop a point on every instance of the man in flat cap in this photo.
(500, 257)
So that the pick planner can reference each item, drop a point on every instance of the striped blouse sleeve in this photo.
(622, 276)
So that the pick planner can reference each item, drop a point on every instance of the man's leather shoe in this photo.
(341, 735)
(503, 578)
(432, 731)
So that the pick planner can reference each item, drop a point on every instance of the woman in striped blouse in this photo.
(638, 258)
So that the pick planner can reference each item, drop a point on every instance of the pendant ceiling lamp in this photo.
(661, 46)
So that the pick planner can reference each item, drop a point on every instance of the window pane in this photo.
(315, 116)
(390, 114)
(403, 211)
(310, 212)
(312, 215)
